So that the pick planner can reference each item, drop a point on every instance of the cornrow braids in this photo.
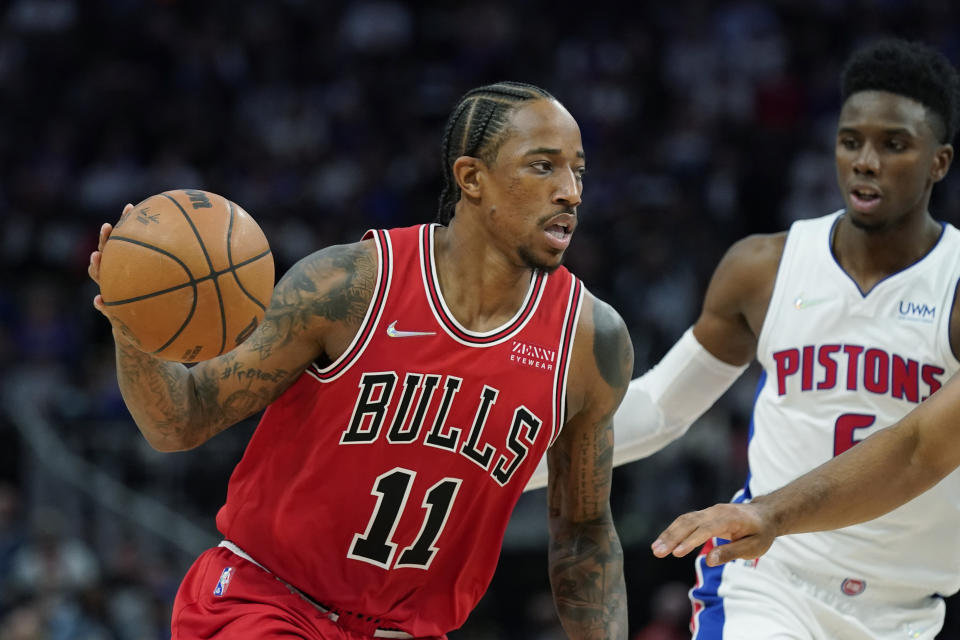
(909, 69)
(475, 128)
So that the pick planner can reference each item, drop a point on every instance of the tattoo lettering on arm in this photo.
(595, 479)
(592, 481)
(217, 408)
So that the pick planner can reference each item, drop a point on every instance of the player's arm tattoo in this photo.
(178, 408)
(586, 558)
(334, 284)
(612, 348)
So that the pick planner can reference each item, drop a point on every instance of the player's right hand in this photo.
(93, 269)
(748, 526)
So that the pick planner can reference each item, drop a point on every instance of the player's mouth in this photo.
(865, 198)
(559, 231)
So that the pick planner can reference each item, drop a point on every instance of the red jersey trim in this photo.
(371, 320)
(446, 320)
(570, 320)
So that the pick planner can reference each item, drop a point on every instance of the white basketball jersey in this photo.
(838, 365)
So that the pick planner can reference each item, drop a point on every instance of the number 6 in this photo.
(845, 430)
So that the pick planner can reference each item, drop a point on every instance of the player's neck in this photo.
(480, 285)
(869, 256)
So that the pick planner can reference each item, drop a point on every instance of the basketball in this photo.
(186, 275)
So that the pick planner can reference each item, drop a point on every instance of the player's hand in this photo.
(93, 269)
(748, 526)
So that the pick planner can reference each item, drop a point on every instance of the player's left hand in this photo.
(93, 268)
(748, 526)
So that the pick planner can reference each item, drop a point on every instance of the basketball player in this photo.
(852, 317)
(412, 381)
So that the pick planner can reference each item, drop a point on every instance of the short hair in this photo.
(910, 69)
(476, 128)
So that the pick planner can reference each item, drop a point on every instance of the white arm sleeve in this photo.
(660, 405)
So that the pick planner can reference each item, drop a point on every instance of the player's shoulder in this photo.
(598, 316)
(603, 345)
(758, 251)
(349, 252)
(757, 257)
(340, 257)
(743, 281)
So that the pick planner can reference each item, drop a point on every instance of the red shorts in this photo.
(227, 597)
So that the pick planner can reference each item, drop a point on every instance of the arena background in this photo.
(702, 122)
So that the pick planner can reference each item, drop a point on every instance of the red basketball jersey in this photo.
(382, 484)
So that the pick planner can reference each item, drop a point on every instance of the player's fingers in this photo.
(683, 535)
(748, 548)
(93, 269)
(692, 542)
(105, 230)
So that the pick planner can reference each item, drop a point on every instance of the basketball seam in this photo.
(233, 270)
(206, 255)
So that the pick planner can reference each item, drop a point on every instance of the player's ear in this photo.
(941, 162)
(467, 171)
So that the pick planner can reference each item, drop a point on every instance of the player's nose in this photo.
(867, 161)
(568, 190)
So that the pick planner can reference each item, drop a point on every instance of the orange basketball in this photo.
(187, 275)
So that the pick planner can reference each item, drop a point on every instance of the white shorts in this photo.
(765, 600)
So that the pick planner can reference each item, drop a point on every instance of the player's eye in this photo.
(848, 143)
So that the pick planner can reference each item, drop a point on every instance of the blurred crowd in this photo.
(703, 121)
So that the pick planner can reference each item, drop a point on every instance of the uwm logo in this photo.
(913, 311)
(405, 410)
(530, 355)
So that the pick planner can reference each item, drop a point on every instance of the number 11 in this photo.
(392, 489)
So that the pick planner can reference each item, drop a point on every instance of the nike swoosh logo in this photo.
(803, 303)
(393, 332)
